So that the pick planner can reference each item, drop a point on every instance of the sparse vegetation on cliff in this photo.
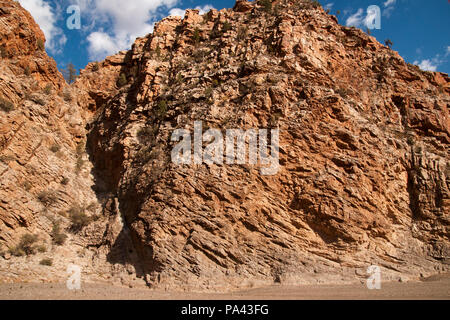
(25, 246)
(6, 105)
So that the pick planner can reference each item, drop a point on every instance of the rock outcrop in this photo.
(364, 153)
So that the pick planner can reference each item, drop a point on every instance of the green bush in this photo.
(6, 105)
(46, 262)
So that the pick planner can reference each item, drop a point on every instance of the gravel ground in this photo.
(437, 287)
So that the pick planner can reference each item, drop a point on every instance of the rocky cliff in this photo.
(363, 153)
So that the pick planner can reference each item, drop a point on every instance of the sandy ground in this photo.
(437, 287)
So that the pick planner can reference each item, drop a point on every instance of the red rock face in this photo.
(23, 42)
(364, 155)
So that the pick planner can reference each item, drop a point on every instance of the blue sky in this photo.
(418, 29)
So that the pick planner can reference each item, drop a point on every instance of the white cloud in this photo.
(355, 20)
(123, 20)
(328, 6)
(434, 63)
(426, 65)
(389, 8)
(181, 12)
(177, 12)
(101, 45)
(46, 18)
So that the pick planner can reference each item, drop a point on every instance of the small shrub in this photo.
(3, 52)
(315, 3)
(27, 185)
(27, 71)
(226, 27)
(6, 105)
(6, 159)
(62, 213)
(47, 197)
(95, 67)
(342, 92)
(65, 181)
(80, 148)
(46, 262)
(48, 89)
(162, 108)
(41, 248)
(79, 164)
(266, 5)
(40, 44)
(196, 37)
(58, 237)
(122, 80)
(36, 99)
(410, 140)
(208, 92)
(91, 207)
(388, 43)
(55, 148)
(16, 251)
(67, 96)
(78, 218)
(25, 246)
(179, 78)
(158, 51)
(242, 33)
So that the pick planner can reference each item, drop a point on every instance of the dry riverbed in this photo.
(437, 287)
